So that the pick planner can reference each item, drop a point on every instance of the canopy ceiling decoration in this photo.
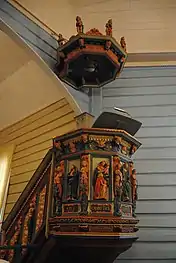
(90, 59)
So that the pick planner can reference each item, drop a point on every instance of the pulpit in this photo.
(80, 204)
(93, 189)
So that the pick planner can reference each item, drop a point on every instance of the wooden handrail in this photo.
(34, 18)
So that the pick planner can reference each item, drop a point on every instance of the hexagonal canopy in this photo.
(90, 60)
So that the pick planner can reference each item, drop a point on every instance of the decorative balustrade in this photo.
(26, 220)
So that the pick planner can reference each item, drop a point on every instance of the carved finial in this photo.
(109, 28)
(61, 41)
(79, 25)
(123, 43)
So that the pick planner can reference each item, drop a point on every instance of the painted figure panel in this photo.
(84, 183)
(117, 184)
(126, 187)
(73, 179)
(134, 194)
(101, 179)
(58, 187)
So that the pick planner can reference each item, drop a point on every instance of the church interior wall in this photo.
(148, 95)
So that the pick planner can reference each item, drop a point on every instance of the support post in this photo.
(48, 209)
(84, 120)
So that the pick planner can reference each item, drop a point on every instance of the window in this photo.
(6, 153)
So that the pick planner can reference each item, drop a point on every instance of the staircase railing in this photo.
(26, 221)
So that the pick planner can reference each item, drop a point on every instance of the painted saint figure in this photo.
(116, 161)
(73, 177)
(58, 187)
(101, 177)
(134, 184)
(109, 28)
(124, 150)
(116, 143)
(72, 147)
(58, 178)
(108, 45)
(118, 183)
(126, 183)
(79, 25)
(134, 190)
(84, 184)
(132, 150)
(123, 43)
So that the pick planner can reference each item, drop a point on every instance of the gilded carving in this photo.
(61, 41)
(28, 217)
(84, 142)
(126, 210)
(40, 209)
(118, 183)
(132, 150)
(108, 45)
(94, 32)
(72, 147)
(101, 208)
(71, 208)
(14, 239)
(98, 186)
(126, 196)
(109, 28)
(58, 178)
(124, 150)
(133, 188)
(79, 25)
(84, 183)
(77, 180)
(116, 143)
(81, 43)
(93, 220)
(59, 148)
(58, 187)
(123, 44)
(88, 141)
